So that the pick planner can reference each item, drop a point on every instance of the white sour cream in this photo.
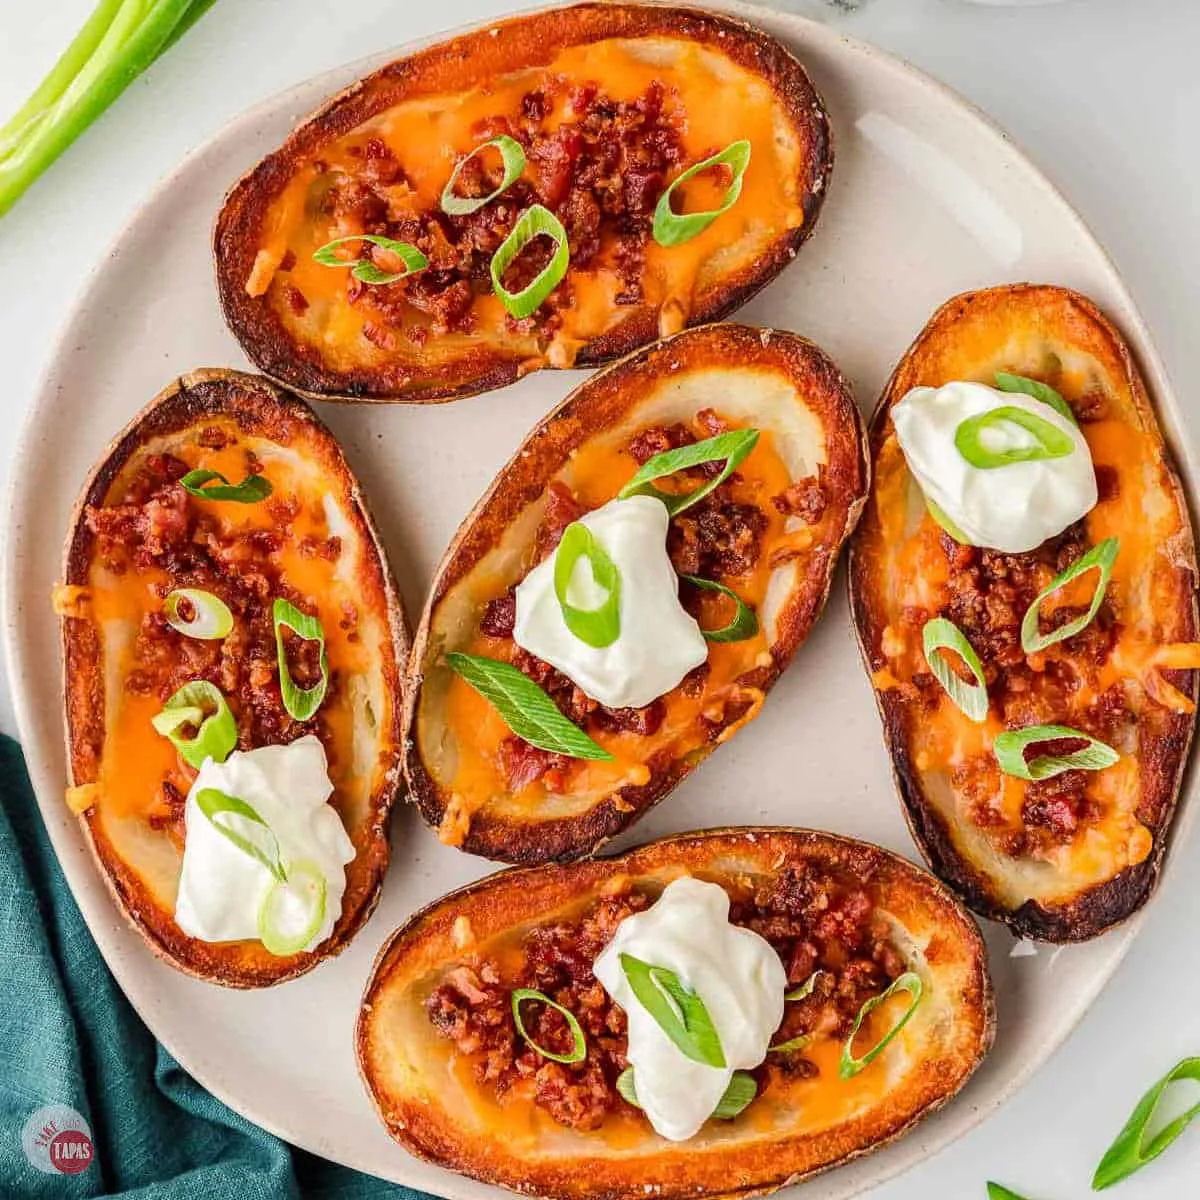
(1013, 508)
(658, 643)
(221, 887)
(733, 970)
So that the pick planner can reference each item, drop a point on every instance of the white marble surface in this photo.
(1102, 93)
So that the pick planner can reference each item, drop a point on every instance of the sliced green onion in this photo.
(255, 838)
(796, 1043)
(909, 982)
(1052, 442)
(200, 706)
(525, 708)
(1038, 390)
(513, 158)
(251, 490)
(940, 518)
(998, 1192)
(969, 698)
(741, 1090)
(744, 624)
(732, 447)
(1011, 745)
(534, 222)
(1131, 1151)
(805, 989)
(364, 268)
(301, 703)
(293, 910)
(598, 627)
(578, 1052)
(210, 620)
(1101, 558)
(672, 228)
(679, 1012)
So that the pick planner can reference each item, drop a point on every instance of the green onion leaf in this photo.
(970, 698)
(301, 703)
(534, 222)
(251, 490)
(680, 1012)
(598, 627)
(805, 989)
(909, 982)
(998, 1192)
(1038, 390)
(513, 158)
(1131, 1151)
(744, 624)
(293, 910)
(732, 447)
(1051, 441)
(364, 268)
(940, 518)
(1011, 745)
(796, 1043)
(1100, 557)
(672, 228)
(255, 838)
(525, 708)
(741, 1090)
(210, 619)
(200, 706)
(578, 1052)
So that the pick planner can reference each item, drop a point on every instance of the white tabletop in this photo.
(1105, 101)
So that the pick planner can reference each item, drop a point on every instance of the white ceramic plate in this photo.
(928, 199)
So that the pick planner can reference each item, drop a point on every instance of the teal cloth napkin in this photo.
(69, 1037)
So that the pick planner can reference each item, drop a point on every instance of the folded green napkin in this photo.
(68, 1037)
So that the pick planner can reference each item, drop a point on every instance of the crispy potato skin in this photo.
(612, 401)
(412, 1106)
(262, 411)
(460, 63)
(975, 330)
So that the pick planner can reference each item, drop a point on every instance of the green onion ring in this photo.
(970, 698)
(1011, 745)
(301, 703)
(910, 982)
(626, 1088)
(1052, 441)
(744, 624)
(1038, 390)
(1130, 1151)
(214, 803)
(533, 223)
(804, 990)
(997, 1191)
(364, 268)
(578, 1054)
(732, 447)
(513, 157)
(796, 1043)
(597, 627)
(212, 619)
(201, 705)
(1100, 557)
(304, 879)
(251, 490)
(672, 228)
(939, 516)
(679, 1012)
(741, 1090)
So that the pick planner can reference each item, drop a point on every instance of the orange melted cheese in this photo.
(716, 102)
(136, 759)
(599, 472)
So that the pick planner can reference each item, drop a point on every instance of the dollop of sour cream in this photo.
(1013, 508)
(733, 970)
(658, 643)
(221, 887)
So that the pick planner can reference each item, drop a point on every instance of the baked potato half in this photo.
(770, 534)
(145, 560)
(598, 109)
(457, 1084)
(1064, 857)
